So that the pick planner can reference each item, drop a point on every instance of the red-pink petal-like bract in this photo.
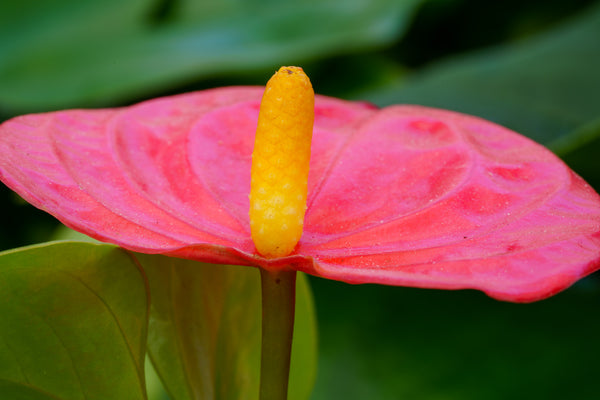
(404, 195)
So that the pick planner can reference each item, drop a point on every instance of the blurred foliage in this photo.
(379, 342)
(532, 66)
(544, 87)
(67, 53)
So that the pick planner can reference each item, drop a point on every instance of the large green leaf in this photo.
(74, 322)
(205, 325)
(389, 343)
(71, 53)
(544, 87)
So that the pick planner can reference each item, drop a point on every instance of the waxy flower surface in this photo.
(404, 195)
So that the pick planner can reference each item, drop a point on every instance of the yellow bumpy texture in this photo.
(280, 162)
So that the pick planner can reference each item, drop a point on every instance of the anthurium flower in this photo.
(404, 195)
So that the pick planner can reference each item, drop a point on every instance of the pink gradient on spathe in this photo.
(404, 195)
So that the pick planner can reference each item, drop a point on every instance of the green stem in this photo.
(278, 304)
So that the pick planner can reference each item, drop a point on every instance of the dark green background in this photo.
(532, 66)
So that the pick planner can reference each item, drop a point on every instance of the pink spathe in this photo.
(404, 195)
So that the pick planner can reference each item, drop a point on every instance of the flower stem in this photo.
(278, 305)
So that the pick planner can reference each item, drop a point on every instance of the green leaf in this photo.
(303, 371)
(74, 321)
(205, 325)
(18, 391)
(73, 53)
(580, 151)
(389, 343)
(544, 87)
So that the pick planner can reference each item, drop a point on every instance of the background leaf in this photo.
(61, 58)
(204, 335)
(73, 326)
(580, 150)
(544, 87)
(385, 343)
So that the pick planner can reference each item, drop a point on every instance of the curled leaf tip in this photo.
(280, 162)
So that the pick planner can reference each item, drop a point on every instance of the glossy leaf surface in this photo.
(205, 330)
(405, 195)
(73, 326)
(66, 53)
